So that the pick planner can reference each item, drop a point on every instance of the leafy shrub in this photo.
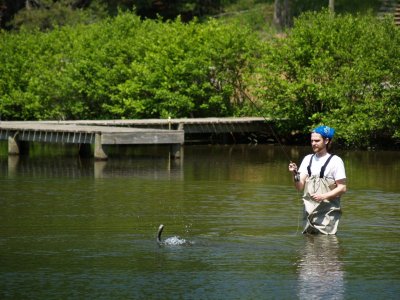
(340, 70)
(125, 68)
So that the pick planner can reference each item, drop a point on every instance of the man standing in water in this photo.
(322, 176)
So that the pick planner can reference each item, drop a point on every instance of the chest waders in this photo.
(321, 217)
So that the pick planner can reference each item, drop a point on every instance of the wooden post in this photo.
(176, 151)
(13, 146)
(16, 147)
(99, 153)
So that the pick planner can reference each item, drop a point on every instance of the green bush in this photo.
(340, 70)
(125, 68)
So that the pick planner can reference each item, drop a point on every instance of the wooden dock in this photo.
(189, 125)
(117, 132)
(19, 133)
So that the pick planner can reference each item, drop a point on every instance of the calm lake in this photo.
(72, 228)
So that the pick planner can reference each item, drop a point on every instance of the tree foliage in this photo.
(124, 67)
(340, 70)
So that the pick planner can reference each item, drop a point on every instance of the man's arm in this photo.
(339, 190)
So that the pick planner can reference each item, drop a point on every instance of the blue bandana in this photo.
(325, 131)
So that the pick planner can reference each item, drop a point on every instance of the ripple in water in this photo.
(175, 241)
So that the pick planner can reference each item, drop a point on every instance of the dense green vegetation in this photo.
(124, 68)
(337, 70)
(341, 70)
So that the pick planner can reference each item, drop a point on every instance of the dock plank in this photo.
(190, 125)
(72, 133)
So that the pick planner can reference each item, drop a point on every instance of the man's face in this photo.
(318, 143)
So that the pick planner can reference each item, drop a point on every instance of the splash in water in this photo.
(174, 241)
(171, 241)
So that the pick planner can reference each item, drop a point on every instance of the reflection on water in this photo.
(148, 167)
(75, 228)
(321, 274)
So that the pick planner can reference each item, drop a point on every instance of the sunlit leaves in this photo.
(340, 70)
(124, 67)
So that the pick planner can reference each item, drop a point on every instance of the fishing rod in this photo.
(296, 173)
(269, 125)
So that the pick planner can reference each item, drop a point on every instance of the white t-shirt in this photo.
(334, 169)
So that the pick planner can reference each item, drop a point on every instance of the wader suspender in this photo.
(321, 174)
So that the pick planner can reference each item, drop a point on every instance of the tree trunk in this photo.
(332, 6)
(282, 13)
(29, 4)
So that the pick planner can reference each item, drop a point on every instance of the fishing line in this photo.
(269, 125)
(282, 148)
(299, 215)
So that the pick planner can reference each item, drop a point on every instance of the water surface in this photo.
(75, 228)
